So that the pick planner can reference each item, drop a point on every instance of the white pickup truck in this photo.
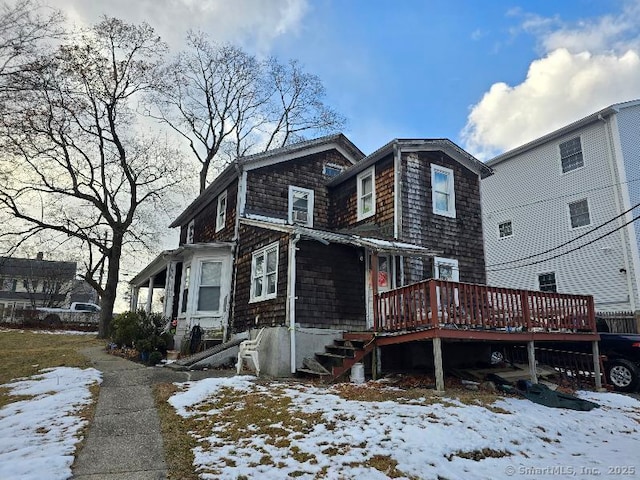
(79, 314)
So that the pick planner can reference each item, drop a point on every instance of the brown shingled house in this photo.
(290, 239)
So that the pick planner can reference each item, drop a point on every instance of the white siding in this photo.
(531, 191)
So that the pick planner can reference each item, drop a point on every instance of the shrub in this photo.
(125, 329)
(142, 330)
(155, 357)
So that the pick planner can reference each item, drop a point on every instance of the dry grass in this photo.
(178, 443)
(24, 353)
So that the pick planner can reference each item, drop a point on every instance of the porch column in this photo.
(149, 295)
(531, 350)
(133, 302)
(437, 360)
(596, 364)
(169, 290)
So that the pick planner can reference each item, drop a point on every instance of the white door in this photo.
(385, 281)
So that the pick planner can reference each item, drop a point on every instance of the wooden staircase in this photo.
(339, 357)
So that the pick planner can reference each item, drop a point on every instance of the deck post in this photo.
(375, 362)
(531, 350)
(596, 364)
(437, 360)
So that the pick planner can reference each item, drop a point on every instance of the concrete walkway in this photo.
(124, 441)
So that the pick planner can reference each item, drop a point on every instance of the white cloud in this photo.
(584, 67)
(255, 23)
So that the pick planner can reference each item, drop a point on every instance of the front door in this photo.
(446, 269)
(385, 281)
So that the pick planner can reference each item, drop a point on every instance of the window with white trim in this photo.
(366, 192)
(184, 298)
(191, 228)
(547, 282)
(505, 229)
(222, 211)
(332, 170)
(300, 206)
(579, 213)
(571, 155)
(209, 288)
(442, 191)
(264, 273)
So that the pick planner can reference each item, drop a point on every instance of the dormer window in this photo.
(221, 216)
(300, 206)
(366, 191)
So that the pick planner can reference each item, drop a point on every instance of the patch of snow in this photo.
(426, 440)
(50, 332)
(39, 434)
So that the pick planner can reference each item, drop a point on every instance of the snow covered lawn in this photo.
(38, 433)
(280, 430)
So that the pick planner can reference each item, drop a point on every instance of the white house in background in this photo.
(573, 189)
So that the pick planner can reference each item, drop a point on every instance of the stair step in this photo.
(329, 360)
(356, 344)
(343, 350)
(313, 372)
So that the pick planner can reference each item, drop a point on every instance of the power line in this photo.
(565, 243)
(568, 251)
(543, 200)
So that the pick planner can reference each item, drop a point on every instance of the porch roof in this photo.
(391, 247)
(159, 264)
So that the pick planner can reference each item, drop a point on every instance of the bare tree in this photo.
(24, 26)
(225, 103)
(84, 169)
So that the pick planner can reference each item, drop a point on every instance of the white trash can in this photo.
(357, 373)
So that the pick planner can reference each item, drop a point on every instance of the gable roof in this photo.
(36, 268)
(589, 119)
(271, 157)
(417, 145)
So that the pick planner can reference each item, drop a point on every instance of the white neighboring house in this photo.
(565, 187)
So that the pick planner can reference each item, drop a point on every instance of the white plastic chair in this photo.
(249, 349)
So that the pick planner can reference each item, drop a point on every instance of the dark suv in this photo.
(623, 358)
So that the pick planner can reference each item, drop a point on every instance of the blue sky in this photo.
(489, 75)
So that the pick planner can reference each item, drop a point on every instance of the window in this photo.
(209, 290)
(366, 191)
(442, 191)
(301, 206)
(191, 231)
(579, 213)
(185, 288)
(547, 282)
(222, 211)
(571, 155)
(331, 170)
(446, 269)
(264, 273)
(505, 229)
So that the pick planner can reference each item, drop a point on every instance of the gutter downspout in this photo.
(293, 241)
(240, 205)
(397, 202)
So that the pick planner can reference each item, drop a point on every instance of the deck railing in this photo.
(443, 304)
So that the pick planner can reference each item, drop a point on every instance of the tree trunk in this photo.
(110, 289)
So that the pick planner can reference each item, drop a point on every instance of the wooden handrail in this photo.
(445, 304)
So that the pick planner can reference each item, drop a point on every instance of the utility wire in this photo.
(565, 243)
(568, 251)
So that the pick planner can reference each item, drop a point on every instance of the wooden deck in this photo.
(454, 310)
(437, 310)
